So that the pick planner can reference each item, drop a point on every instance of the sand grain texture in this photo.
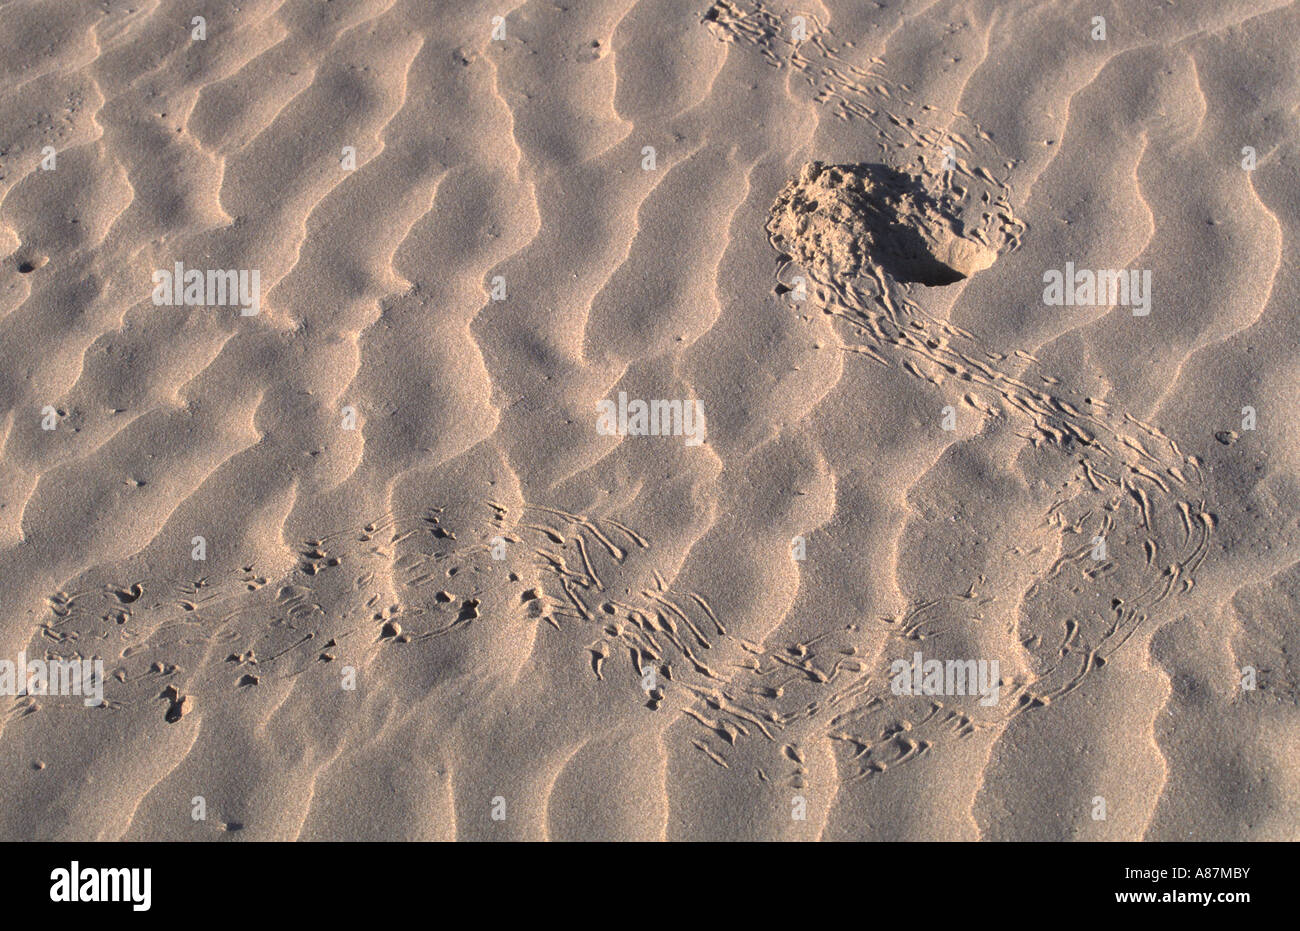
(437, 602)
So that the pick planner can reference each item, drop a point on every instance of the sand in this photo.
(644, 419)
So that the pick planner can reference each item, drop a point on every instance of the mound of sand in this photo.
(840, 220)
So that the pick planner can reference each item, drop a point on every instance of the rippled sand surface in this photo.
(364, 558)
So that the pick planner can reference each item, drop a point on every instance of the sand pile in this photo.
(840, 220)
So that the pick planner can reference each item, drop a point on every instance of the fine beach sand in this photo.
(367, 564)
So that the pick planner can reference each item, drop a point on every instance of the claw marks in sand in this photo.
(402, 579)
(944, 149)
(407, 579)
(1122, 507)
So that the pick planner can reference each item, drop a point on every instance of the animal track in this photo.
(562, 569)
(863, 234)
